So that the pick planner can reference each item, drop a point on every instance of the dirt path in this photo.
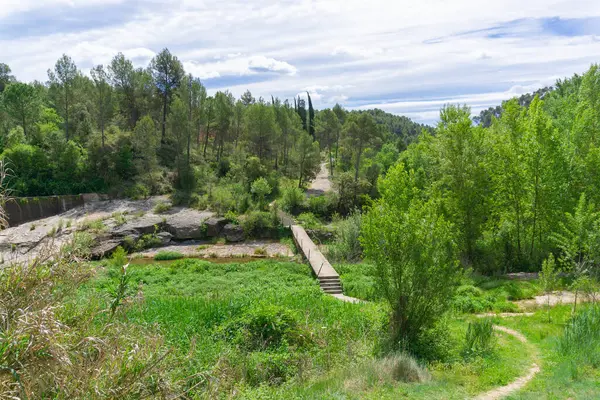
(518, 383)
(321, 183)
(562, 297)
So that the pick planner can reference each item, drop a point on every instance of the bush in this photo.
(260, 189)
(259, 223)
(162, 207)
(581, 338)
(321, 206)
(137, 192)
(264, 327)
(479, 339)
(309, 221)
(222, 200)
(292, 199)
(168, 255)
(346, 246)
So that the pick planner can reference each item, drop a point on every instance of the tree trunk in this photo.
(66, 113)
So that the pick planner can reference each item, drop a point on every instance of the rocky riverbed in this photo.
(117, 222)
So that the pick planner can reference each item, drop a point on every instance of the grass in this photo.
(168, 255)
(162, 207)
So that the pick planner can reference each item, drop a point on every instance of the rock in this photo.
(233, 233)
(214, 226)
(104, 247)
(143, 225)
(187, 224)
(165, 238)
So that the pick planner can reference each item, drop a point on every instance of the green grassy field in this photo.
(264, 329)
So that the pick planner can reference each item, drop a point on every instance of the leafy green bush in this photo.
(162, 207)
(259, 223)
(222, 200)
(80, 245)
(260, 188)
(137, 191)
(309, 221)
(168, 255)
(264, 327)
(321, 206)
(347, 246)
(479, 339)
(292, 199)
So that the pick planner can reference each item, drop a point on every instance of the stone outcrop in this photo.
(214, 226)
(187, 224)
(233, 233)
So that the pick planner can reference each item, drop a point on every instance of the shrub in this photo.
(264, 327)
(260, 251)
(260, 189)
(309, 221)
(581, 338)
(479, 339)
(147, 241)
(269, 368)
(137, 192)
(168, 255)
(292, 199)
(321, 206)
(119, 217)
(222, 200)
(162, 207)
(346, 246)
(259, 223)
(80, 245)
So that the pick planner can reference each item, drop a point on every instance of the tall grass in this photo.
(580, 341)
(479, 339)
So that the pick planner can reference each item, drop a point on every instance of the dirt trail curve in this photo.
(518, 383)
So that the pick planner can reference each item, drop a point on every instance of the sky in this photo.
(405, 57)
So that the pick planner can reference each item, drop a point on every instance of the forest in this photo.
(448, 238)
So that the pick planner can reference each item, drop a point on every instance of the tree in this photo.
(63, 77)
(145, 141)
(413, 248)
(461, 174)
(22, 103)
(179, 128)
(103, 97)
(328, 130)
(301, 110)
(308, 161)
(311, 117)
(360, 131)
(167, 72)
(122, 76)
(247, 99)
(5, 76)
(578, 239)
(261, 130)
(260, 188)
(223, 115)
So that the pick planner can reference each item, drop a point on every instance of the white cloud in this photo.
(238, 66)
(339, 50)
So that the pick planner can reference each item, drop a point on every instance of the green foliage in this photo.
(581, 338)
(308, 221)
(292, 199)
(347, 246)
(162, 207)
(168, 255)
(260, 224)
(321, 206)
(413, 248)
(479, 339)
(260, 188)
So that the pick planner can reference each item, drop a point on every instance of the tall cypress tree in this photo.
(311, 117)
(301, 110)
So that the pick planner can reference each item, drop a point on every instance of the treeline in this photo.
(141, 131)
(514, 193)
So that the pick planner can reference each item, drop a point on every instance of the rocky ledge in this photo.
(112, 224)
